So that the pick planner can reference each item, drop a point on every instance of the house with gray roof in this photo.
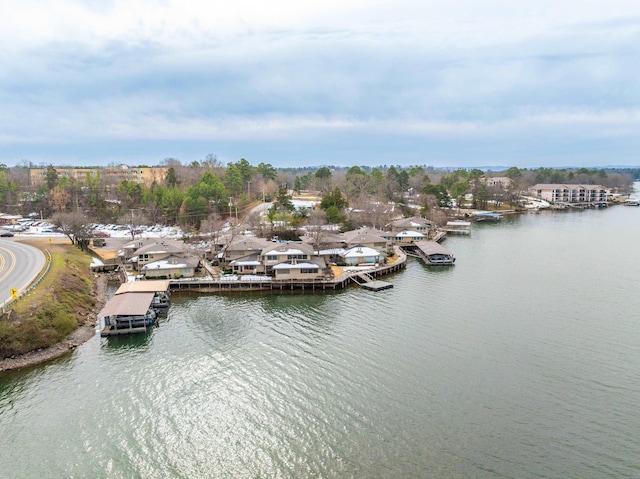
(371, 237)
(312, 269)
(139, 253)
(246, 248)
(362, 255)
(285, 253)
(408, 236)
(414, 223)
(171, 267)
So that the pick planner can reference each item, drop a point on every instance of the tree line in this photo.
(198, 196)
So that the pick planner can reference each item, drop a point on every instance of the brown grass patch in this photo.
(63, 300)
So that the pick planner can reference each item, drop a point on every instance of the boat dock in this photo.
(369, 282)
(159, 288)
(487, 216)
(432, 253)
(134, 307)
(458, 227)
(127, 313)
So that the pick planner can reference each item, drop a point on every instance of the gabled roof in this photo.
(314, 262)
(325, 238)
(252, 256)
(409, 234)
(413, 222)
(247, 243)
(161, 246)
(173, 262)
(360, 252)
(365, 235)
(288, 248)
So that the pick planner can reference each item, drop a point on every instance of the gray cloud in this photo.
(371, 94)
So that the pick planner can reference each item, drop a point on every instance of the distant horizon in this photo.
(493, 168)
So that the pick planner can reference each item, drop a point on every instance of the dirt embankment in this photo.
(85, 332)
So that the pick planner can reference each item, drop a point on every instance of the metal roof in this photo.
(431, 247)
(143, 286)
(128, 304)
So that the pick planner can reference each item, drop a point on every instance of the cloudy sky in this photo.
(339, 82)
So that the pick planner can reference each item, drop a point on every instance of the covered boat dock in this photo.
(432, 253)
(127, 313)
(159, 288)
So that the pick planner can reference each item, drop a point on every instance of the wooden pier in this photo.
(275, 285)
(367, 281)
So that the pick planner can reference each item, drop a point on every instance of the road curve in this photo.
(20, 264)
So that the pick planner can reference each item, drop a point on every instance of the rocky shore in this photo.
(85, 332)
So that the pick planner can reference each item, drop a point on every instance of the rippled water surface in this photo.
(520, 361)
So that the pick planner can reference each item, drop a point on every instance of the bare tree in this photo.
(133, 220)
(315, 227)
(212, 226)
(76, 227)
(255, 223)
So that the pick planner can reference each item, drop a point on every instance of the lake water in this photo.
(521, 361)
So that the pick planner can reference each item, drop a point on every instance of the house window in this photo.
(284, 271)
(272, 257)
(308, 270)
(297, 256)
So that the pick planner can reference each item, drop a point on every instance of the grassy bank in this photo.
(61, 303)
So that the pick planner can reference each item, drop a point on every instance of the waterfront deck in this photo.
(367, 281)
(270, 284)
(376, 285)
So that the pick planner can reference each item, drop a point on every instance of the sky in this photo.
(460, 83)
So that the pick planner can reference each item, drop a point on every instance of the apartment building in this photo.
(143, 175)
(566, 193)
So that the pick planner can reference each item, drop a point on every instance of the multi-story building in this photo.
(143, 175)
(565, 193)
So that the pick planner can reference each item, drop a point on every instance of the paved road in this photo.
(20, 264)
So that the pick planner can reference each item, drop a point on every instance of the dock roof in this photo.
(128, 304)
(143, 286)
(431, 247)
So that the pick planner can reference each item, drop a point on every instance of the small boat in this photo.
(632, 202)
(161, 300)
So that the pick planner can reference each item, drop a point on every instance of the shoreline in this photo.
(78, 337)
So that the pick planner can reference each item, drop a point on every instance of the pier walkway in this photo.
(269, 284)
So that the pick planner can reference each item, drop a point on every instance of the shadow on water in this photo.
(128, 342)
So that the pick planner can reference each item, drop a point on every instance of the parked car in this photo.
(102, 234)
(6, 234)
